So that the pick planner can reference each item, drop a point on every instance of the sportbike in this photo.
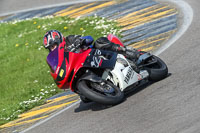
(103, 76)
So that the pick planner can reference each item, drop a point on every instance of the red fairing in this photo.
(63, 76)
(114, 39)
(60, 60)
(76, 62)
(65, 64)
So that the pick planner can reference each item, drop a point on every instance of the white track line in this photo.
(187, 20)
(45, 120)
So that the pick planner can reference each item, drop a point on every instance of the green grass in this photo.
(25, 80)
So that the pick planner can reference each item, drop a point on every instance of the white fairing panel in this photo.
(123, 74)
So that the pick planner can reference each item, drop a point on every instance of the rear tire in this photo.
(157, 71)
(100, 97)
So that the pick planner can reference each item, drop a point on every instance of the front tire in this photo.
(90, 91)
(84, 99)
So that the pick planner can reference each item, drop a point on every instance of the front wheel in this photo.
(158, 70)
(104, 92)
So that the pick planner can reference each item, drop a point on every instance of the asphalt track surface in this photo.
(169, 106)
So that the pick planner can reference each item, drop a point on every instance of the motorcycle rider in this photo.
(53, 38)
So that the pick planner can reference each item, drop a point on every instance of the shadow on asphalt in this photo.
(91, 106)
(98, 107)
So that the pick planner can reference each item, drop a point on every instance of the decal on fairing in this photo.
(57, 70)
(61, 73)
(96, 60)
(139, 77)
(128, 75)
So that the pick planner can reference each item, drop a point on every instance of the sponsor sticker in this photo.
(57, 70)
(128, 75)
(97, 61)
(61, 72)
(139, 77)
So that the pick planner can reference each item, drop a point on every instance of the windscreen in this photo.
(52, 59)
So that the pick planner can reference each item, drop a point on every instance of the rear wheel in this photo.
(104, 92)
(158, 70)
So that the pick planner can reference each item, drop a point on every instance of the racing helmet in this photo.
(52, 37)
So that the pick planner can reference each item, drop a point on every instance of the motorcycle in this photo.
(102, 76)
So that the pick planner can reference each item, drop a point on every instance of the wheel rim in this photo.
(111, 97)
(104, 88)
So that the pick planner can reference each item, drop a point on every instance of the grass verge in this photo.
(25, 80)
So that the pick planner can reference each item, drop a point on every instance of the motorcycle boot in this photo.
(133, 55)
(130, 53)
